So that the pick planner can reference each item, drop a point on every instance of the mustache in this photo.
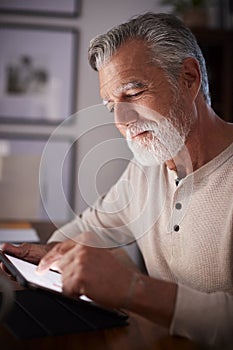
(139, 127)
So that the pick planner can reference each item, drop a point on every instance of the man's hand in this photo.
(29, 252)
(53, 255)
(102, 276)
(95, 272)
(85, 238)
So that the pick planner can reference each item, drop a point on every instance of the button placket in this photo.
(176, 211)
(180, 199)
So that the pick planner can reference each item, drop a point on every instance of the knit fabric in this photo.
(184, 231)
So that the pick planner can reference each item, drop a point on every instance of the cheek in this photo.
(187, 108)
(158, 106)
(121, 128)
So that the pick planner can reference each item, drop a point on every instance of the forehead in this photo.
(131, 63)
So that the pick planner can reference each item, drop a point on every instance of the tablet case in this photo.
(38, 313)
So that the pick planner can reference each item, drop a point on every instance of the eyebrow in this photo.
(125, 87)
(130, 85)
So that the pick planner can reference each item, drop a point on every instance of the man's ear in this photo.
(191, 77)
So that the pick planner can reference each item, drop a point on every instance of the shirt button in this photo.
(176, 228)
(178, 205)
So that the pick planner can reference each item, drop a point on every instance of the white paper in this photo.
(18, 235)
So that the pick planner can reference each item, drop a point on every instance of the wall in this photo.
(96, 17)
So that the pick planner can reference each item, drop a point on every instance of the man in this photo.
(177, 204)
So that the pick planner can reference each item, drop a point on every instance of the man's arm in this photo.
(204, 317)
(154, 299)
(126, 260)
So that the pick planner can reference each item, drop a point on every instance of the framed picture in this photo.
(37, 73)
(56, 8)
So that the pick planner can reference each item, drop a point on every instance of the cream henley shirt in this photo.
(184, 231)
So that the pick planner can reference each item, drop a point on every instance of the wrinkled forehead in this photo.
(125, 67)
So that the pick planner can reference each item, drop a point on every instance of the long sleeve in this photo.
(108, 219)
(203, 317)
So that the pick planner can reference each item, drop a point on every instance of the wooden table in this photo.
(140, 334)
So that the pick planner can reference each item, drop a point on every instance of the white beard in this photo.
(142, 155)
(163, 141)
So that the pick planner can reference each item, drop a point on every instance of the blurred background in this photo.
(45, 78)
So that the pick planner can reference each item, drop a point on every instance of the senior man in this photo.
(175, 197)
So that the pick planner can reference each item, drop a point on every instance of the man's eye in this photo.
(135, 94)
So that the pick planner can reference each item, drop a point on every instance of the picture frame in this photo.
(37, 73)
(52, 8)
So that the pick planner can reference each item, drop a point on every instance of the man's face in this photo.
(147, 110)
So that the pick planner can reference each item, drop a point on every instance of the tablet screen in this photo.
(49, 280)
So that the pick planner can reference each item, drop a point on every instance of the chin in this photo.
(143, 156)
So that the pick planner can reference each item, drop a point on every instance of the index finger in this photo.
(54, 254)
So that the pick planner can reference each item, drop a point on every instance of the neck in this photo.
(209, 136)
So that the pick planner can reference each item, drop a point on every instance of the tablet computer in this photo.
(40, 313)
(25, 273)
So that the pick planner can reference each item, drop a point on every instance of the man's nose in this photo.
(125, 114)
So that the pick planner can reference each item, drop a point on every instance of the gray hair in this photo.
(169, 40)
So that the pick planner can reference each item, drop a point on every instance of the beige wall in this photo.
(96, 17)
